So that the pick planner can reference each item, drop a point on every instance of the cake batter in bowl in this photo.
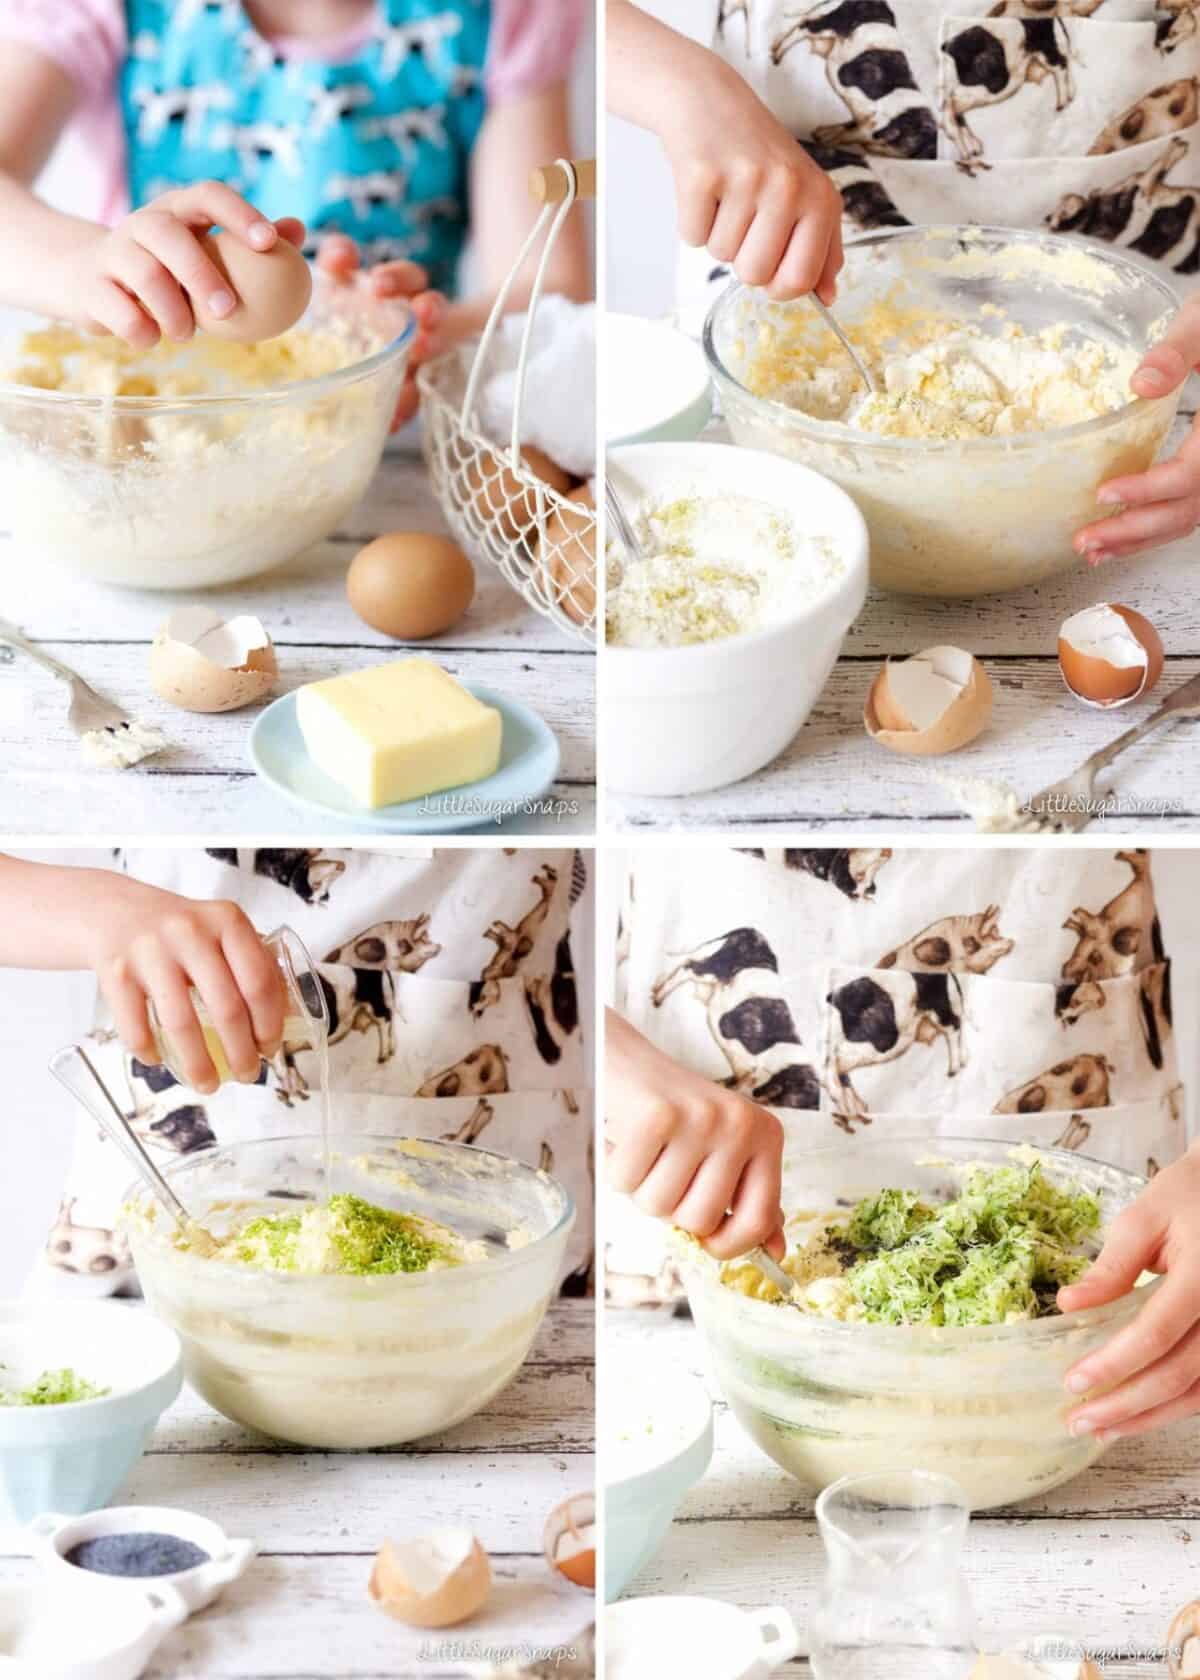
(984, 1404)
(1004, 360)
(196, 465)
(353, 1359)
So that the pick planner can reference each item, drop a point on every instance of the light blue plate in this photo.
(528, 766)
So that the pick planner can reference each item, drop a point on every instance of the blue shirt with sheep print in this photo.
(377, 147)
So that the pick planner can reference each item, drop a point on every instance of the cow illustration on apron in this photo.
(1079, 116)
(1013, 994)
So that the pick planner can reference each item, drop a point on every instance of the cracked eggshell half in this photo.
(1109, 655)
(569, 1539)
(932, 703)
(205, 663)
(432, 1581)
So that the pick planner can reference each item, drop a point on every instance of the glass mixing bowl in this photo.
(336, 1361)
(976, 516)
(983, 1404)
(189, 492)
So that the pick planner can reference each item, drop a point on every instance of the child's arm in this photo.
(144, 943)
(1162, 503)
(688, 1150)
(133, 280)
(517, 137)
(744, 186)
(1149, 1373)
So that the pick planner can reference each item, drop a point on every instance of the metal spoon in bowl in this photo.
(73, 1068)
(619, 520)
(774, 1273)
(832, 322)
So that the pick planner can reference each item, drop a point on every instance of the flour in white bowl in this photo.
(710, 567)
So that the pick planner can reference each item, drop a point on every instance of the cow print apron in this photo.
(1009, 993)
(457, 1000)
(1081, 116)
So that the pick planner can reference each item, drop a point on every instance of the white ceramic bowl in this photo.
(197, 1587)
(97, 1635)
(699, 1637)
(658, 1438)
(685, 720)
(74, 1457)
(658, 387)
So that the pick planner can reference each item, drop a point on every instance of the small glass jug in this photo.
(306, 1022)
(895, 1598)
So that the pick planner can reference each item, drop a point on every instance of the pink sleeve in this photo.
(86, 38)
(532, 46)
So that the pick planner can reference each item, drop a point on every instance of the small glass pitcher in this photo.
(306, 1021)
(895, 1597)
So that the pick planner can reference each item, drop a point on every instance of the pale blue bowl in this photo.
(639, 1507)
(528, 766)
(73, 1458)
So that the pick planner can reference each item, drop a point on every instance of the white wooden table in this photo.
(833, 777)
(301, 1610)
(1108, 1559)
(206, 784)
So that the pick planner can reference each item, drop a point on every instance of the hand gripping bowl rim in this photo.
(938, 1337)
(443, 1277)
(836, 432)
(274, 396)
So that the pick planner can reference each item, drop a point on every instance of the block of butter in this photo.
(398, 731)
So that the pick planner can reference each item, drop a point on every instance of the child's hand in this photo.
(338, 257)
(1152, 1367)
(747, 189)
(136, 280)
(1163, 502)
(144, 943)
(690, 1151)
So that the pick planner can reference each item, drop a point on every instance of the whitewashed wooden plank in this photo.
(206, 784)
(1027, 621)
(1113, 1584)
(832, 774)
(303, 1618)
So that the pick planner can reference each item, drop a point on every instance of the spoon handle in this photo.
(772, 1270)
(74, 1069)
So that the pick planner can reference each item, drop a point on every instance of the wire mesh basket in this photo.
(514, 507)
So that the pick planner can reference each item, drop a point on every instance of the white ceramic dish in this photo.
(100, 1636)
(658, 1437)
(658, 385)
(74, 1457)
(198, 1587)
(646, 1638)
(683, 720)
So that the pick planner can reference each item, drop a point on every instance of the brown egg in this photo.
(410, 584)
(1088, 636)
(502, 500)
(568, 554)
(273, 288)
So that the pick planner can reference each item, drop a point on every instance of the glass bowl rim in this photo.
(938, 1338)
(495, 1266)
(836, 432)
(33, 396)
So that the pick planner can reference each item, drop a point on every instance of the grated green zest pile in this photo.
(53, 1388)
(345, 1235)
(999, 1251)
